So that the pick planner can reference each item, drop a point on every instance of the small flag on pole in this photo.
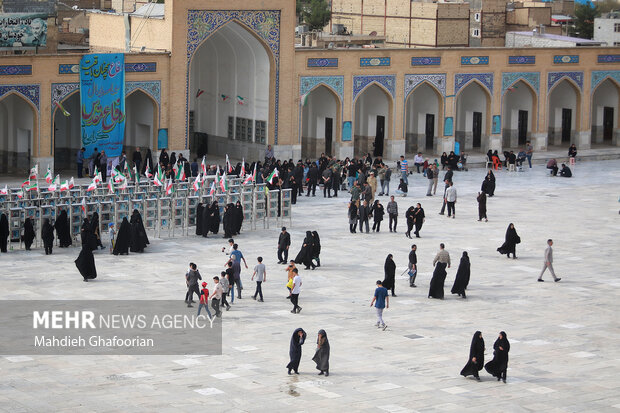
(250, 178)
(20, 194)
(242, 168)
(34, 171)
(84, 205)
(240, 100)
(92, 186)
(62, 109)
(180, 175)
(26, 183)
(228, 165)
(48, 175)
(199, 92)
(55, 184)
(33, 185)
(204, 165)
(64, 186)
(71, 183)
(273, 175)
(169, 187)
(4, 191)
(223, 183)
(136, 174)
(123, 184)
(224, 98)
(111, 186)
(212, 190)
(197, 183)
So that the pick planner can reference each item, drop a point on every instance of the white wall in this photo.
(471, 99)
(371, 103)
(563, 96)
(20, 118)
(321, 104)
(231, 62)
(139, 120)
(606, 94)
(423, 100)
(520, 98)
(604, 31)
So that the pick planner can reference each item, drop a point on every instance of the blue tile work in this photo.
(15, 70)
(374, 61)
(264, 23)
(438, 80)
(336, 83)
(462, 79)
(521, 60)
(387, 81)
(565, 59)
(609, 58)
(426, 61)
(30, 92)
(70, 69)
(599, 76)
(322, 62)
(152, 88)
(555, 77)
(474, 60)
(141, 67)
(509, 79)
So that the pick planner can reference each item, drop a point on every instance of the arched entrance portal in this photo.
(519, 117)
(563, 114)
(229, 94)
(17, 129)
(472, 117)
(140, 122)
(320, 122)
(373, 118)
(422, 115)
(67, 135)
(605, 113)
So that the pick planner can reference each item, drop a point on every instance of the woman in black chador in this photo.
(476, 357)
(214, 217)
(205, 220)
(4, 232)
(510, 244)
(462, 277)
(139, 240)
(28, 233)
(316, 248)
(88, 238)
(94, 227)
(389, 269)
(439, 278)
(305, 253)
(237, 218)
(410, 216)
(297, 340)
(123, 239)
(47, 236)
(488, 185)
(227, 221)
(498, 366)
(418, 216)
(321, 356)
(63, 230)
(199, 219)
(85, 263)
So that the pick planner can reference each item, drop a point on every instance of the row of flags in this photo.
(224, 98)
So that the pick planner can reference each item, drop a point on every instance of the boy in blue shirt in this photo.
(381, 300)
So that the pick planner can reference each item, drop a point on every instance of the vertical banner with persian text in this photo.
(102, 92)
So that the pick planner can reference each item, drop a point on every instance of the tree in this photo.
(583, 25)
(315, 13)
(605, 6)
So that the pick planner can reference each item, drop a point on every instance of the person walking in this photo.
(442, 259)
(80, 161)
(482, 206)
(435, 178)
(363, 217)
(404, 169)
(529, 151)
(352, 213)
(193, 275)
(381, 301)
(430, 176)
(451, 200)
(392, 210)
(216, 297)
(321, 355)
(410, 217)
(260, 272)
(389, 269)
(297, 340)
(225, 282)
(418, 219)
(461, 281)
(510, 243)
(548, 262)
(499, 365)
(475, 363)
(204, 300)
(412, 266)
(295, 292)
(284, 242)
(377, 215)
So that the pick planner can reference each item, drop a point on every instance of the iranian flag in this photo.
(272, 175)
(250, 178)
(26, 183)
(180, 173)
(55, 184)
(197, 183)
(212, 190)
(71, 183)
(48, 175)
(32, 186)
(111, 186)
(156, 180)
(34, 171)
(228, 165)
(136, 174)
(92, 186)
(20, 194)
(147, 171)
(117, 175)
(217, 176)
(204, 165)
(64, 186)
(223, 183)
(169, 187)
(304, 99)
(83, 205)
(242, 167)
(240, 100)
(123, 184)
(4, 191)
(160, 174)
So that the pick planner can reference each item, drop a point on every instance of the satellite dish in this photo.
(373, 33)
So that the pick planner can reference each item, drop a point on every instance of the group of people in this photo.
(321, 354)
(208, 219)
(497, 367)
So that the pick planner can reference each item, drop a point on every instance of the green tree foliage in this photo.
(315, 13)
(606, 6)
(583, 24)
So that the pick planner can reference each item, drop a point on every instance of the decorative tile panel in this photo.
(565, 59)
(437, 80)
(462, 79)
(69, 69)
(387, 81)
(15, 70)
(609, 58)
(61, 90)
(509, 79)
(152, 88)
(474, 60)
(321, 62)
(374, 61)
(521, 60)
(265, 23)
(141, 67)
(336, 83)
(426, 61)
(30, 92)
(555, 77)
(599, 76)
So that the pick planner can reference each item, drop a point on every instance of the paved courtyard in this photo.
(564, 354)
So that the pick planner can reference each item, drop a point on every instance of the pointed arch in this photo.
(473, 116)
(18, 132)
(140, 125)
(422, 118)
(519, 113)
(564, 111)
(604, 111)
(372, 123)
(320, 121)
(66, 131)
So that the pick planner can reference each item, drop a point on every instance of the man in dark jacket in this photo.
(298, 171)
(364, 212)
(313, 177)
(137, 159)
(327, 183)
(192, 278)
(284, 241)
